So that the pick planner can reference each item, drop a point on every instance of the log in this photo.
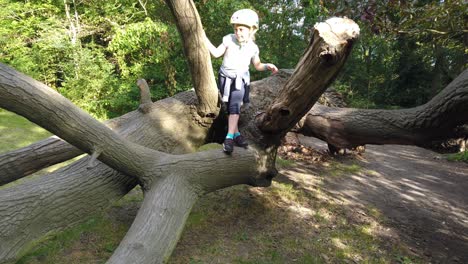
(348, 128)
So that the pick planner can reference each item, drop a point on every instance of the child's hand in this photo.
(271, 67)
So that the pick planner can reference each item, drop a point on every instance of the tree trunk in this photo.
(51, 203)
(348, 128)
(22, 162)
(197, 54)
(161, 218)
(329, 48)
(42, 154)
(79, 191)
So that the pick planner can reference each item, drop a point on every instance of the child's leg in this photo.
(235, 101)
(233, 120)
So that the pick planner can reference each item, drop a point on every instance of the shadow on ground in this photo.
(422, 196)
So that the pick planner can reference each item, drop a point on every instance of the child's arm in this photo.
(259, 66)
(215, 52)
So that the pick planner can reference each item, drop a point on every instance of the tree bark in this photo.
(161, 218)
(85, 191)
(348, 128)
(22, 162)
(42, 154)
(152, 125)
(329, 48)
(54, 202)
(197, 54)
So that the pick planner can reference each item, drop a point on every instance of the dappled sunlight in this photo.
(296, 218)
(173, 121)
(411, 186)
(339, 244)
(417, 193)
(301, 211)
(418, 189)
(292, 218)
(407, 197)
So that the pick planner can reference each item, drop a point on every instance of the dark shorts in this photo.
(236, 97)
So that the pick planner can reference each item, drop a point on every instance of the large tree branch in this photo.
(330, 46)
(22, 162)
(47, 108)
(347, 128)
(160, 221)
(197, 54)
(54, 202)
(19, 163)
(152, 126)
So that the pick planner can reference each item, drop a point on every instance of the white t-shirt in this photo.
(237, 57)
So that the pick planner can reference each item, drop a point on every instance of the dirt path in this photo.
(423, 197)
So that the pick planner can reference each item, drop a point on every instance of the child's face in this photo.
(243, 33)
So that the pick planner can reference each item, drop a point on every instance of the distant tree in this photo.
(409, 50)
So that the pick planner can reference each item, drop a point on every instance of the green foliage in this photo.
(22, 35)
(150, 50)
(117, 42)
(407, 52)
(91, 84)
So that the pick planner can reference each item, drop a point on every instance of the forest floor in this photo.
(391, 204)
(423, 197)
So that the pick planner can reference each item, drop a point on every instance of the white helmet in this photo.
(245, 17)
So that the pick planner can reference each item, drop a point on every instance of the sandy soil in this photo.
(423, 197)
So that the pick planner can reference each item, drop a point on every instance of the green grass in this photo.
(461, 156)
(17, 132)
(284, 163)
(90, 242)
(339, 169)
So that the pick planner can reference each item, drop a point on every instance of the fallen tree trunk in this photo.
(22, 162)
(348, 128)
(45, 153)
(38, 207)
(153, 125)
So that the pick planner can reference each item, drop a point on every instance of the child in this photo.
(239, 51)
